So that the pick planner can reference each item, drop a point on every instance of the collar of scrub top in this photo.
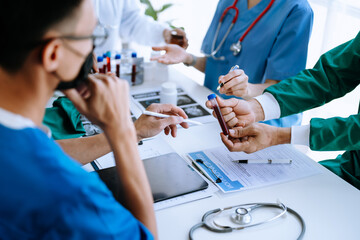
(235, 47)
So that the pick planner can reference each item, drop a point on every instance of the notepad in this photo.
(169, 176)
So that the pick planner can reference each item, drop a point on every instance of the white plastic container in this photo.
(168, 93)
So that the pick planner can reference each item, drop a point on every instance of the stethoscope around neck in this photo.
(242, 218)
(235, 47)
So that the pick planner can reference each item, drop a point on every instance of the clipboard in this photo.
(169, 175)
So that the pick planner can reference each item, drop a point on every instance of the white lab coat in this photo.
(124, 19)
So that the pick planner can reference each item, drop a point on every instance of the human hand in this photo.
(236, 112)
(149, 126)
(174, 54)
(106, 103)
(236, 84)
(184, 42)
(255, 137)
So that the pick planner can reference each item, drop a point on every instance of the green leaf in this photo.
(150, 12)
(166, 6)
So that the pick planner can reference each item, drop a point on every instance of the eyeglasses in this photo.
(99, 37)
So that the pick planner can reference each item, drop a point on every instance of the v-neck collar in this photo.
(254, 11)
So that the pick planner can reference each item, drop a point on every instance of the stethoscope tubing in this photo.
(256, 205)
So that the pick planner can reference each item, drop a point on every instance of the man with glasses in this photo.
(87, 149)
(45, 194)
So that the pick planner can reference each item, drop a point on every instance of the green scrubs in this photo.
(335, 74)
(63, 119)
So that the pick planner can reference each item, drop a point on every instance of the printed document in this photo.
(217, 164)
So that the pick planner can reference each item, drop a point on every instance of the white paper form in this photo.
(217, 163)
(151, 147)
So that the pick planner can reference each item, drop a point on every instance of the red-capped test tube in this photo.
(216, 108)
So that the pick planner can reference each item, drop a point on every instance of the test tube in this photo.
(118, 62)
(133, 70)
(216, 108)
(108, 61)
(100, 64)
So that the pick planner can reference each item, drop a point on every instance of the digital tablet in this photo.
(169, 176)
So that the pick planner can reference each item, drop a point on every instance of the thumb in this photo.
(239, 132)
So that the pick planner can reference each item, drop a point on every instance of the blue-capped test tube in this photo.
(216, 108)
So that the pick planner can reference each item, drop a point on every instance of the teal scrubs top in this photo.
(335, 74)
(275, 48)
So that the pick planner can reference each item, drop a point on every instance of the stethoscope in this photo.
(242, 218)
(235, 47)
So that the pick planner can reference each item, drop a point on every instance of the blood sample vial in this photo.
(216, 108)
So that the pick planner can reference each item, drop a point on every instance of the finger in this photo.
(232, 102)
(228, 117)
(76, 99)
(239, 132)
(156, 58)
(208, 104)
(95, 66)
(166, 130)
(240, 81)
(231, 75)
(233, 122)
(171, 121)
(226, 110)
(167, 108)
(228, 143)
(184, 125)
(173, 130)
(159, 48)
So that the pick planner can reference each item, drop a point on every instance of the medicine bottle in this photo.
(168, 93)
(216, 108)
(177, 39)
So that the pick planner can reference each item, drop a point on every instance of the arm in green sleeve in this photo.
(335, 133)
(336, 73)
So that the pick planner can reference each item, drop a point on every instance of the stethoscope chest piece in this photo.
(241, 216)
(236, 48)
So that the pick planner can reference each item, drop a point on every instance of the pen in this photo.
(160, 115)
(222, 84)
(266, 161)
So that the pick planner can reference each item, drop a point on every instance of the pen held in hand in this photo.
(160, 115)
(222, 84)
(266, 161)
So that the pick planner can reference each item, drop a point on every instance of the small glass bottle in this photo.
(133, 68)
(216, 108)
(108, 61)
(177, 39)
(100, 64)
(118, 62)
(168, 93)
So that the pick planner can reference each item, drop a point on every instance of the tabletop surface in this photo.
(329, 205)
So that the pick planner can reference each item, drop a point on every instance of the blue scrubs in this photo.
(46, 195)
(275, 48)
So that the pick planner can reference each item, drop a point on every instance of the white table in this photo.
(329, 205)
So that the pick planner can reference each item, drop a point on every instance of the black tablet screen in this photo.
(169, 176)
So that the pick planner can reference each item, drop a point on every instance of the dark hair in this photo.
(24, 22)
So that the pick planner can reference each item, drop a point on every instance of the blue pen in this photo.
(222, 84)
